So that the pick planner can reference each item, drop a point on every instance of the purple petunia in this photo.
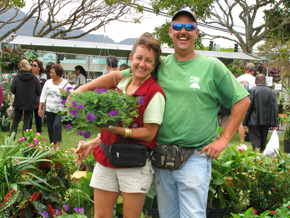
(99, 91)
(140, 100)
(66, 207)
(77, 210)
(86, 134)
(74, 104)
(134, 126)
(73, 112)
(68, 89)
(81, 210)
(68, 127)
(63, 102)
(113, 113)
(91, 117)
(57, 211)
(80, 133)
(80, 106)
(44, 214)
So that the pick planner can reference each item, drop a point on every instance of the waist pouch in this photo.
(170, 156)
(126, 154)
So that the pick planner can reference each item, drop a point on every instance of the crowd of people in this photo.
(182, 94)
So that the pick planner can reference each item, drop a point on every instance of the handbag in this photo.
(126, 154)
(272, 148)
(170, 156)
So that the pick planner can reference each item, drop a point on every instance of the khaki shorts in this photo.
(128, 180)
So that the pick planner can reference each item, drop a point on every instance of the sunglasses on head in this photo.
(34, 65)
(179, 26)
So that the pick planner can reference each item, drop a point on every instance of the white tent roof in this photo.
(104, 49)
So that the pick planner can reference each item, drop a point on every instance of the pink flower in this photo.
(31, 145)
(22, 139)
(255, 211)
(37, 134)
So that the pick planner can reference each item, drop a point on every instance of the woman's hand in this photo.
(39, 112)
(85, 148)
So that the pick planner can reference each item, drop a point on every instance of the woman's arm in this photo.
(145, 133)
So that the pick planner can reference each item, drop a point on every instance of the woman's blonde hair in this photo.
(24, 65)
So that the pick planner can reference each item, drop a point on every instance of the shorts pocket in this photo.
(147, 169)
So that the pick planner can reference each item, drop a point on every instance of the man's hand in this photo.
(215, 148)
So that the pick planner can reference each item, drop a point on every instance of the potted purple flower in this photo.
(101, 108)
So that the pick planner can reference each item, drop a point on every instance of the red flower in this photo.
(51, 210)
(272, 211)
(6, 197)
(236, 66)
(255, 211)
(5, 79)
(34, 196)
(242, 70)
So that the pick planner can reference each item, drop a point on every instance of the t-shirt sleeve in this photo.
(155, 109)
(126, 72)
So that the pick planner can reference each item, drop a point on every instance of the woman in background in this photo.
(27, 89)
(38, 71)
(81, 76)
(52, 97)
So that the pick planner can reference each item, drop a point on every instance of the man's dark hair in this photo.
(112, 61)
(260, 79)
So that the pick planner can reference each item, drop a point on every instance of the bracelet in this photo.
(127, 133)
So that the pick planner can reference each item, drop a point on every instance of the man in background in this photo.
(262, 113)
(248, 81)
(112, 64)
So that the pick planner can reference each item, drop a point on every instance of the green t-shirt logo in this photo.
(194, 81)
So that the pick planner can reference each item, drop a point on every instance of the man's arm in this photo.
(238, 113)
(107, 81)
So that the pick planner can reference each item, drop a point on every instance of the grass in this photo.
(71, 139)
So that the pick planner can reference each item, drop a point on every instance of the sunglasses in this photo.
(34, 65)
(179, 26)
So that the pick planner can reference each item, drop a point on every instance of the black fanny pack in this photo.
(126, 154)
(170, 156)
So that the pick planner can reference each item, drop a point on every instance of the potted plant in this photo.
(228, 179)
(101, 107)
(285, 120)
(4, 116)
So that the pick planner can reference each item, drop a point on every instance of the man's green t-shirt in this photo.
(194, 89)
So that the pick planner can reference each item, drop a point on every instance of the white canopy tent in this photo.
(104, 49)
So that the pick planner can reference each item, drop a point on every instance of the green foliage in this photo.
(236, 67)
(12, 3)
(270, 182)
(9, 59)
(6, 84)
(103, 107)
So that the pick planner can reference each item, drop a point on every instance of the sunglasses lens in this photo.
(189, 27)
(177, 26)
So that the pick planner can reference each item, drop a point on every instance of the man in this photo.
(248, 81)
(112, 64)
(194, 86)
(262, 113)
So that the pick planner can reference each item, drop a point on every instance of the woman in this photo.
(27, 89)
(38, 71)
(81, 76)
(52, 97)
(132, 183)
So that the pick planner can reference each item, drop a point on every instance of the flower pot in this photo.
(5, 128)
(286, 146)
(215, 212)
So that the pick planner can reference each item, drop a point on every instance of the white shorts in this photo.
(128, 180)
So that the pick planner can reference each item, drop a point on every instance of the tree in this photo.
(230, 15)
(57, 18)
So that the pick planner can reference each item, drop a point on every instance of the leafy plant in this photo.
(101, 108)
(236, 67)
(9, 58)
(6, 84)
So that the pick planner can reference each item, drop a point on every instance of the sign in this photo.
(269, 81)
(278, 86)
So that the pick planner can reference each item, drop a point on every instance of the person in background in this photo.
(38, 71)
(81, 76)
(223, 118)
(124, 67)
(27, 89)
(52, 97)
(47, 69)
(248, 81)
(262, 113)
(112, 64)
(133, 183)
(1, 96)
